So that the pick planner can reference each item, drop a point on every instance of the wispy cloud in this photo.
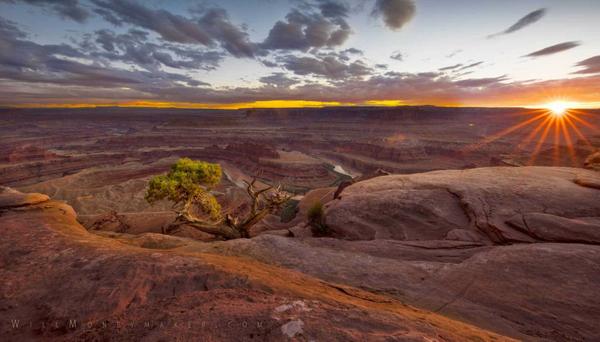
(523, 22)
(460, 66)
(397, 56)
(590, 65)
(69, 9)
(550, 50)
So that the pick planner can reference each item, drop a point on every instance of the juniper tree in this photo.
(189, 184)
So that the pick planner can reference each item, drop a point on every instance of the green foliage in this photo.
(316, 212)
(289, 211)
(316, 220)
(189, 183)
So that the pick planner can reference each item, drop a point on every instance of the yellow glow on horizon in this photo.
(385, 103)
(295, 104)
(193, 105)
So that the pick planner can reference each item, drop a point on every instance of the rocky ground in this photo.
(503, 253)
(61, 282)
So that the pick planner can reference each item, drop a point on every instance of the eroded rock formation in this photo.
(62, 282)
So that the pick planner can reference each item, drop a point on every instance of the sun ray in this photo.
(556, 143)
(503, 133)
(577, 131)
(540, 142)
(534, 133)
(554, 132)
(585, 123)
(569, 142)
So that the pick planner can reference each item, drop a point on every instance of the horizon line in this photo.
(263, 104)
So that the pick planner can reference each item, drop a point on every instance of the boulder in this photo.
(10, 198)
(593, 161)
(429, 206)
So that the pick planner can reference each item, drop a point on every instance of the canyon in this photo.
(444, 224)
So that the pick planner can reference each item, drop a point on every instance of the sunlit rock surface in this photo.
(61, 282)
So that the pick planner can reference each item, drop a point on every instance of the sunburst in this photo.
(556, 123)
(558, 108)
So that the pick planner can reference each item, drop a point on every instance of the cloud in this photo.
(395, 13)
(329, 67)
(397, 56)
(216, 22)
(133, 47)
(480, 82)
(451, 67)
(460, 67)
(307, 29)
(170, 27)
(469, 66)
(24, 61)
(550, 50)
(454, 53)
(210, 27)
(332, 9)
(353, 51)
(279, 80)
(523, 22)
(70, 9)
(590, 65)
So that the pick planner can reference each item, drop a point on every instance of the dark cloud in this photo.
(553, 49)
(24, 61)
(353, 51)
(269, 63)
(210, 27)
(523, 22)
(395, 13)
(430, 74)
(590, 65)
(216, 22)
(70, 9)
(306, 29)
(279, 79)
(134, 48)
(333, 9)
(397, 56)
(170, 27)
(328, 67)
(17, 53)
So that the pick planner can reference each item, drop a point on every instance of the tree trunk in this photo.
(251, 221)
(219, 229)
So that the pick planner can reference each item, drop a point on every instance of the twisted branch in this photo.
(264, 202)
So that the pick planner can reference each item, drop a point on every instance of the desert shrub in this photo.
(316, 220)
(189, 186)
(289, 211)
(188, 183)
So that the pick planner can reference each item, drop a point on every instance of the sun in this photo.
(558, 108)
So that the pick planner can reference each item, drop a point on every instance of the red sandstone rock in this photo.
(428, 206)
(62, 282)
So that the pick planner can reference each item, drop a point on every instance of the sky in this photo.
(290, 53)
